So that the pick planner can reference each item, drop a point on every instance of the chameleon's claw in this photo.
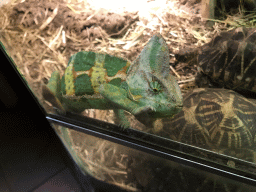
(124, 125)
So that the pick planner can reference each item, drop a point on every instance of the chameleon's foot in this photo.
(121, 119)
(124, 125)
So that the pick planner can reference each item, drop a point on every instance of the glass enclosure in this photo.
(83, 61)
(139, 171)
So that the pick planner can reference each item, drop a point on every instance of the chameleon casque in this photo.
(144, 88)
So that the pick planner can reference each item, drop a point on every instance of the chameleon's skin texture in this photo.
(79, 87)
(91, 80)
(150, 90)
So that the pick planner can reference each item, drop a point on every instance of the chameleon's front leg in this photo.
(121, 118)
(120, 98)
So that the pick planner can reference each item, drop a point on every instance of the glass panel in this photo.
(101, 159)
(77, 41)
(139, 171)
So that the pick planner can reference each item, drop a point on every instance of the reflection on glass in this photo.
(138, 171)
(155, 174)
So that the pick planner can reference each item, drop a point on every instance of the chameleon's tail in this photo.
(51, 91)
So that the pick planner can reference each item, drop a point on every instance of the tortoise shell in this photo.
(213, 119)
(229, 60)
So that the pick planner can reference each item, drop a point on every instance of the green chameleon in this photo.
(91, 80)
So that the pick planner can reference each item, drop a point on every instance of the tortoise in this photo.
(216, 119)
(229, 60)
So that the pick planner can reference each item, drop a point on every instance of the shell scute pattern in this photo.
(214, 118)
(229, 59)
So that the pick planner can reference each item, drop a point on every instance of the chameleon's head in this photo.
(151, 84)
(157, 97)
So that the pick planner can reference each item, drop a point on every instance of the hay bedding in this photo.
(39, 26)
(32, 32)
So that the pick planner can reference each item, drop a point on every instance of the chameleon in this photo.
(144, 88)
(150, 84)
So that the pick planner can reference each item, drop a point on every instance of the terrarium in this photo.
(150, 99)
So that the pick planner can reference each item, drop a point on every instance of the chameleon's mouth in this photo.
(178, 108)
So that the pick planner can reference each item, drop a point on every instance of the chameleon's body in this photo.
(100, 81)
(79, 87)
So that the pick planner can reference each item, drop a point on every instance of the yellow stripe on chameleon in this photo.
(99, 60)
(120, 74)
(134, 97)
(98, 72)
(69, 80)
(163, 49)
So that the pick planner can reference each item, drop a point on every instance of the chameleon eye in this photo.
(155, 86)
